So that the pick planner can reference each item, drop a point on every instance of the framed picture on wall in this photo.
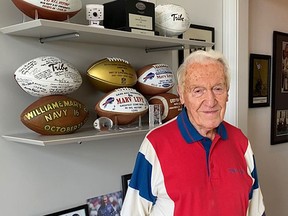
(125, 182)
(198, 33)
(259, 80)
(77, 211)
(106, 204)
(279, 109)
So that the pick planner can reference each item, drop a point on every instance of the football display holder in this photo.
(36, 17)
(133, 126)
(154, 115)
(103, 124)
(53, 38)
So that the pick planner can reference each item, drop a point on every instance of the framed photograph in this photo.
(279, 108)
(125, 182)
(199, 33)
(77, 211)
(107, 204)
(259, 80)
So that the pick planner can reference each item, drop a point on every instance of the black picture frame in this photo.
(279, 107)
(81, 210)
(125, 182)
(199, 33)
(259, 80)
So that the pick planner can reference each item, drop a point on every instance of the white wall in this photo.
(267, 16)
(38, 180)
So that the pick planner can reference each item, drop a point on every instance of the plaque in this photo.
(130, 15)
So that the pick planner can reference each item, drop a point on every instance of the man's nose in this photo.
(210, 98)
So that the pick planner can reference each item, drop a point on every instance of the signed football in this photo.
(171, 20)
(170, 105)
(59, 10)
(122, 106)
(154, 79)
(55, 115)
(48, 75)
(110, 73)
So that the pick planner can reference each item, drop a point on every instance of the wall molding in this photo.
(230, 50)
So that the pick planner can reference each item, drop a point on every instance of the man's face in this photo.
(205, 95)
(105, 199)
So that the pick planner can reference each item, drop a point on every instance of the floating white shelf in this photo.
(49, 29)
(80, 136)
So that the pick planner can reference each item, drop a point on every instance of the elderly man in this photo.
(196, 164)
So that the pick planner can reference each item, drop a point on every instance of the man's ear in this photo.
(180, 93)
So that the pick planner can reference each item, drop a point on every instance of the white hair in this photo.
(201, 56)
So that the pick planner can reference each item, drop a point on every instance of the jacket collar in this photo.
(188, 131)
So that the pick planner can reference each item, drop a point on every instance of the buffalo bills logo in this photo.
(166, 85)
(149, 76)
(108, 101)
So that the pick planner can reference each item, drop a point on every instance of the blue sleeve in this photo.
(255, 176)
(141, 178)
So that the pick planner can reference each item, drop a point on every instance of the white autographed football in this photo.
(155, 79)
(122, 105)
(171, 20)
(48, 75)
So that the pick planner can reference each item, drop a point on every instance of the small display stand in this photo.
(154, 115)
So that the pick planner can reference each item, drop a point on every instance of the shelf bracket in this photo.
(157, 49)
(60, 37)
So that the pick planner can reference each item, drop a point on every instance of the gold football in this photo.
(110, 73)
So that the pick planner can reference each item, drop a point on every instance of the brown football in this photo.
(55, 115)
(53, 10)
(154, 79)
(170, 105)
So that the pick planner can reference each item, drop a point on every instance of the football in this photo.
(170, 105)
(59, 10)
(154, 79)
(55, 115)
(171, 20)
(48, 75)
(123, 106)
(110, 73)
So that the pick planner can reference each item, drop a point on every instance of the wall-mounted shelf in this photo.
(43, 29)
(49, 30)
(80, 136)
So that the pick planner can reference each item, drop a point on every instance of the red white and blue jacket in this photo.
(181, 173)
